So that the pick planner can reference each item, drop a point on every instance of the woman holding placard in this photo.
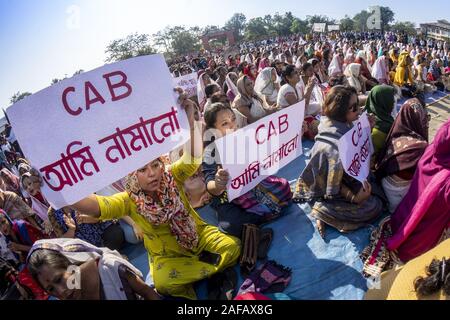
(257, 206)
(339, 200)
(174, 234)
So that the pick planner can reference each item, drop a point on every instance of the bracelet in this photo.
(346, 196)
(353, 198)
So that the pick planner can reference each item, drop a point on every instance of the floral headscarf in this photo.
(170, 209)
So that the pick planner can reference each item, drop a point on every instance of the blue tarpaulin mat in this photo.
(327, 269)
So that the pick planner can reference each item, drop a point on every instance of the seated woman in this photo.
(369, 81)
(381, 102)
(257, 206)
(17, 208)
(405, 145)
(355, 80)
(339, 200)
(422, 217)
(308, 89)
(404, 77)
(69, 224)
(20, 236)
(210, 89)
(230, 86)
(248, 102)
(426, 277)
(435, 74)
(102, 274)
(203, 80)
(380, 70)
(288, 94)
(174, 234)
(31, 182)
(336, 65)
(319, 70)
(267, 87)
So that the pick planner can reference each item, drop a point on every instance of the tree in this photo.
(183, 41)
(347, 24)
(387, 16)
(406, 27)
(132, 46)
(162, 39)
(256, 28)
(19, 96)
(299, 26)
(78, 72)
(360, 20)
(237, 24)
(319, 19)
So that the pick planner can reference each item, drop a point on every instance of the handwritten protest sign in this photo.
(319, 27)
(86, 132)
(261, 149)
(355, 149)
(188, 83)
(333, 27)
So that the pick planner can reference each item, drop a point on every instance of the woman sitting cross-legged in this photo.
(174, 234)
(339, 200)
(256, 206)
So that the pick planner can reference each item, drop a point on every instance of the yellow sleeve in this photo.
(114, 207)
(185, 167)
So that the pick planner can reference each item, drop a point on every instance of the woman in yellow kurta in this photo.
(174, 234)
(403, 73)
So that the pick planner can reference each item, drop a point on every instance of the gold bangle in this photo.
(346, 196)
(353, 198)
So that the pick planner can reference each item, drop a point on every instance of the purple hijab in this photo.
(424, 214)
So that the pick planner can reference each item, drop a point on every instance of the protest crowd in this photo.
(337, 79)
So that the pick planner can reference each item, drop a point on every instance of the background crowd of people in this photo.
(338, 75)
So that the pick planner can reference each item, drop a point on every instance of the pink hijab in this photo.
(424, 214)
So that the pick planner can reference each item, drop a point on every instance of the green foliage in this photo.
(406, 26)
(237, 24)
(132, 46)
(19, 96)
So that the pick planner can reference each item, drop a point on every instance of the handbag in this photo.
(249, 254)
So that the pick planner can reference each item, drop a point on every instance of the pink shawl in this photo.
(424, 214)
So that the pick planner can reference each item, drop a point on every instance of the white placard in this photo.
(188, 83)
(356, 148)
(319, 27)
(333, 27)
(259, 150)
(88, 131)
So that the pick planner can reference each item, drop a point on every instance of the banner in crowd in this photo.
(86, 132)
(258, 150)
(188, 83)
(333, 27)
(356, 149)
(319, 27)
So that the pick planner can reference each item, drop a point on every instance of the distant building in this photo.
(439, 30)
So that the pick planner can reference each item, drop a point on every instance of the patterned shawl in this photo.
(406, 142)
(170, 209)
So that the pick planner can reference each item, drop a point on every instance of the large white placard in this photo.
(319, 27)
(188, 83)
(333, 27)
(258, 150)
(88, 131)
(355, 149)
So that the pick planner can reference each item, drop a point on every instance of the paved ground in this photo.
(440, 113)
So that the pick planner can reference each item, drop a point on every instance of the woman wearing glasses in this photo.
(338, 199)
